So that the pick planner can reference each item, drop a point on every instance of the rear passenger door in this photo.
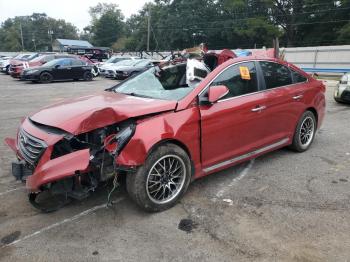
(77, 69)
(284, 100)
(64, 70)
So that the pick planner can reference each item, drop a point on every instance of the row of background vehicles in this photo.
(48, 67)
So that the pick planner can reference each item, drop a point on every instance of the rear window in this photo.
(275, 74)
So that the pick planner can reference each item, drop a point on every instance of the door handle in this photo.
(297, 97)
(258, 108)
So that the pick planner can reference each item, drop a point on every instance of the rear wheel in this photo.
(162, 180)
(305, 132)
(7, 70)
(46, 77)
(87, 76)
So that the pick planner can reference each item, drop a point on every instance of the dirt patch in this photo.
(10, 238)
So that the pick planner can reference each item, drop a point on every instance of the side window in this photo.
(48, 58)
(298, 78)
(77, 63)
(240, 79)
(275, 75)
(65, 62)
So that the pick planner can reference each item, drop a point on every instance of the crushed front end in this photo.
(62, 165)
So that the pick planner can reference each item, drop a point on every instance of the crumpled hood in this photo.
(87, 113)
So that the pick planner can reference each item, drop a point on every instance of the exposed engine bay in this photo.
(103, 145)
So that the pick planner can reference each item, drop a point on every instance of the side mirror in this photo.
(217, 92)
(57, 66)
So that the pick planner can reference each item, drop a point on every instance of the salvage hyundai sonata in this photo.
(166, 127)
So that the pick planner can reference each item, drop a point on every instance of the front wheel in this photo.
(87, 76)
(162, 180)
(304, 132)
(46, 77)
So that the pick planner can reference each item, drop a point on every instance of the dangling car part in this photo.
(165, 127)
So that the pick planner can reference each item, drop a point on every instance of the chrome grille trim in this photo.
(30, 147)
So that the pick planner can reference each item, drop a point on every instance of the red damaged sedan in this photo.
(167, 126)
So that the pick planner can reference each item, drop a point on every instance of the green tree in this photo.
(36, 30)
(107, 24)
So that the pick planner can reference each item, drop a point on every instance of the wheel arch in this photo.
(314, 111)
(177, 143)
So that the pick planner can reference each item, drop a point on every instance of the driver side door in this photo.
(234, 126)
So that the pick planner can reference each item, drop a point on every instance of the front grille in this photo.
(30, 147)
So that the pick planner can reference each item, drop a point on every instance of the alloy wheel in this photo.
(166, 179)
(307, 130)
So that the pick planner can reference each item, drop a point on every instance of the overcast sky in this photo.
(74, 11)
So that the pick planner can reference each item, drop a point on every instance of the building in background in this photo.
(62, 45)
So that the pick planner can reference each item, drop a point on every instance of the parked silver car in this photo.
(342, 90)
(104, 67)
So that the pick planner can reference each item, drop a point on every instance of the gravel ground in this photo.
(283, 206)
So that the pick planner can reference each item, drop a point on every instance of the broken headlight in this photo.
(114, 143)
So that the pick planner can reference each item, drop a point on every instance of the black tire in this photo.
(45, 77)
(303, 137)
(138, 184)
(7, 70)
(88, 76)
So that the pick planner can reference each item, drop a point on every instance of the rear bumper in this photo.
(15, 74)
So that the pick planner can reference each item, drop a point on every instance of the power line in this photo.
(223, 27)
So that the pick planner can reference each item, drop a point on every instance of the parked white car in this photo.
(111, 71)
(342, 90)
(103, 67)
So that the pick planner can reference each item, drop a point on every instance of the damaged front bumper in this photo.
(45, 170)
(59, 168)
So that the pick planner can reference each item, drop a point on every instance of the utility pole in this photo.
(20, 27)
(50, 33)
(33, 39)
(149, 26)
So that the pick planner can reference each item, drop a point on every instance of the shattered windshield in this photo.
(168, 83)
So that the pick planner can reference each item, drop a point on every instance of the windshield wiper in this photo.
(138, 95)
